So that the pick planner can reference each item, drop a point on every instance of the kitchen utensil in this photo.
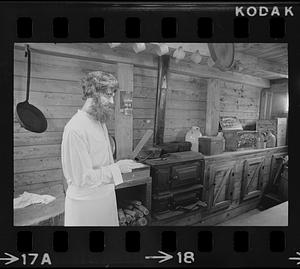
(222, 54)
(30, 117)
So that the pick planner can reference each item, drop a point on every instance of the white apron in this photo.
(91, 174)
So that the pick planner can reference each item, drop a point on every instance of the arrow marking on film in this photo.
(163, 258)
(9, 260)
(296, 258)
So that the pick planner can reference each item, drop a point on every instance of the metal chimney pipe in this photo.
(161, 96)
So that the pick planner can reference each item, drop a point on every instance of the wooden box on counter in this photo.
(238, 140)
(278, 126)
(235, 137)
(211, 145)
(137, 173)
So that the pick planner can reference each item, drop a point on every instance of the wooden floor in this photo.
(242, 217)
(274, 216)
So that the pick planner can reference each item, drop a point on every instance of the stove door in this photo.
(190, 196)
(185, 174)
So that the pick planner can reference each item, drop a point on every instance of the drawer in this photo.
(185, 174)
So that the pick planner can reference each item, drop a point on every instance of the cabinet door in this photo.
(276, 166)
(221, 185)
(185, 174)
(160, 179)
(252, 180)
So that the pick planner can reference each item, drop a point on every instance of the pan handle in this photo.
(28, 54)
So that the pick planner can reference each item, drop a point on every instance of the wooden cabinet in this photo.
(235, 181)
(276, 166)
(221, 185)
(252, 179)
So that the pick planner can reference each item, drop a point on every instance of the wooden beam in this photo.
(101, 52)
(93, 52)
(124, 123)
(269, 68)
(249, 62)
(279, 85)
(212, 107)
(204, 71)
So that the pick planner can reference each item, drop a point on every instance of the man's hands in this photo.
(125, 165)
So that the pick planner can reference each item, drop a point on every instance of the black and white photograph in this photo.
(150, 134)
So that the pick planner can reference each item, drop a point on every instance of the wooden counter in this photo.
(233, 184)
(235, 181)
(228, 155)
(52, 214)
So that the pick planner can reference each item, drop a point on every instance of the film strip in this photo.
(35, 236)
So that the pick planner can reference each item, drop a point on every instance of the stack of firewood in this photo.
(132, 213)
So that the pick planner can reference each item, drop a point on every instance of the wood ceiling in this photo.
(275, 52)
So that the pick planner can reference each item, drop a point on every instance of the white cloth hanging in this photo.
(27, 198)
(90, 172)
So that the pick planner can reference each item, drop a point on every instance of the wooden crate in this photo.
(240, 140)
(278, 126)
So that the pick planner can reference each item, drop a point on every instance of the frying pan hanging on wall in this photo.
(30, 117)
(222, 55)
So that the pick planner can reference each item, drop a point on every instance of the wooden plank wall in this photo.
(186, 104)
(55, 90)
(240, 100)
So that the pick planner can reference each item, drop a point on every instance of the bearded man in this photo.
(87, 160)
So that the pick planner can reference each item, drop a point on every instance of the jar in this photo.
(220, 134)
(271, 140)
(260, 142)
(192, 136)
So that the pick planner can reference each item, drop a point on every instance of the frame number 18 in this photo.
(185, 257)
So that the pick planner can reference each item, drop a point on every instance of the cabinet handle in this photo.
(175, 177)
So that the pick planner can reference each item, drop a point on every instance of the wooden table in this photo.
(41, 214)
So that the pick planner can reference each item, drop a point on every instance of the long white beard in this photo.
(101, 112)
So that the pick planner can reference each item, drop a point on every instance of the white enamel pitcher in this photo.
(192, 136)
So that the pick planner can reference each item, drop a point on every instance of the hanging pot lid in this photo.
(222, 54)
